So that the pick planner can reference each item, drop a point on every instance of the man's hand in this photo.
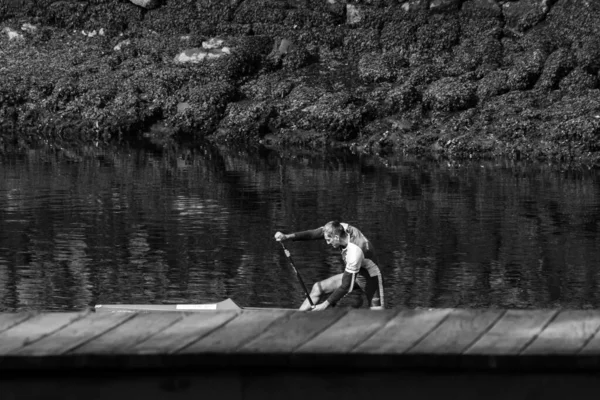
(280, 236)
(322, 306)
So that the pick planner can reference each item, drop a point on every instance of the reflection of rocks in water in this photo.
(159, 133)
(195, 206)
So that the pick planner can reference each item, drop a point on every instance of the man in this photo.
(360, 270)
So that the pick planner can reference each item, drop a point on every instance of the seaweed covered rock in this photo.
(493, 84)
(403, 97)
(245, 121)
(578, 81)
(373, 67)
(450, 94)
(271, 86)
(206, 105)
(483, 53)
(339, 114)
(557, 66)
(576, 138)
(360, 41)
(444, 5)
(526, 70)
(297, 56)
(587, 54)
(524, 14)
(440, 33)
(469, 77)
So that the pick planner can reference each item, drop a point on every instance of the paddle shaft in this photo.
(289, 257)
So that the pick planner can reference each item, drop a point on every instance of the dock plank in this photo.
(33, 329)
(293, 332)
(592, 347)
(184, 332)
(125, 336)
(402, 332)
(512, 332)
(566, 334)
(237, 332)
(348, 332)
(75, 334)
(8, 320)
(457, 332)
(504, 340)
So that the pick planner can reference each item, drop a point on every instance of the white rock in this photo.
(212, 43)
(197, 54)
(122, 44)
(148, 4)
(353, 14)
(89, 34)
(27, 27)
(12, 34)
(182, 106)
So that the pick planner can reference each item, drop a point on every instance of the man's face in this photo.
(332, 240)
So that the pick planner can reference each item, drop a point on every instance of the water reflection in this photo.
(136, 226)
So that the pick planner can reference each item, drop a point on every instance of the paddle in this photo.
(289, 257)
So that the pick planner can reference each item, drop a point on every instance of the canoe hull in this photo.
(227, 304)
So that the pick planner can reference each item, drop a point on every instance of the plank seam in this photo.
(204, 335)
(318, 333)
(31, 315)
(176, 320)
(369, 336)
(528, 343)
(287, 315)
(585, 343)
(29, 342)
(134, 315)
(433, 328)
(94, 337)
(248, 340)
(485, 331)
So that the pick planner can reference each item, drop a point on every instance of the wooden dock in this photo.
(304, 355)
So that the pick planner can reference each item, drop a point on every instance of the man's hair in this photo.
(334, 228)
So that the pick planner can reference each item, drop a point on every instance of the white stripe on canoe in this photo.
(196, 307)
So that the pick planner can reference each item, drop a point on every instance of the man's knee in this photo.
(317, 289)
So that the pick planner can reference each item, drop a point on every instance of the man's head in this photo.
(335, 234)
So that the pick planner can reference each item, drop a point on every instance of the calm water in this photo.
(143, 227)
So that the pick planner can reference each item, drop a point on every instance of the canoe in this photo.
(227, 304)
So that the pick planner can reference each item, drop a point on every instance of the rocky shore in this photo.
(445, 78)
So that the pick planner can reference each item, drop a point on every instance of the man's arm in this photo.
(348, 280)
(354, 259)
(311, 234)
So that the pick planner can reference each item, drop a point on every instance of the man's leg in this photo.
(324, 287)
(374, 292)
